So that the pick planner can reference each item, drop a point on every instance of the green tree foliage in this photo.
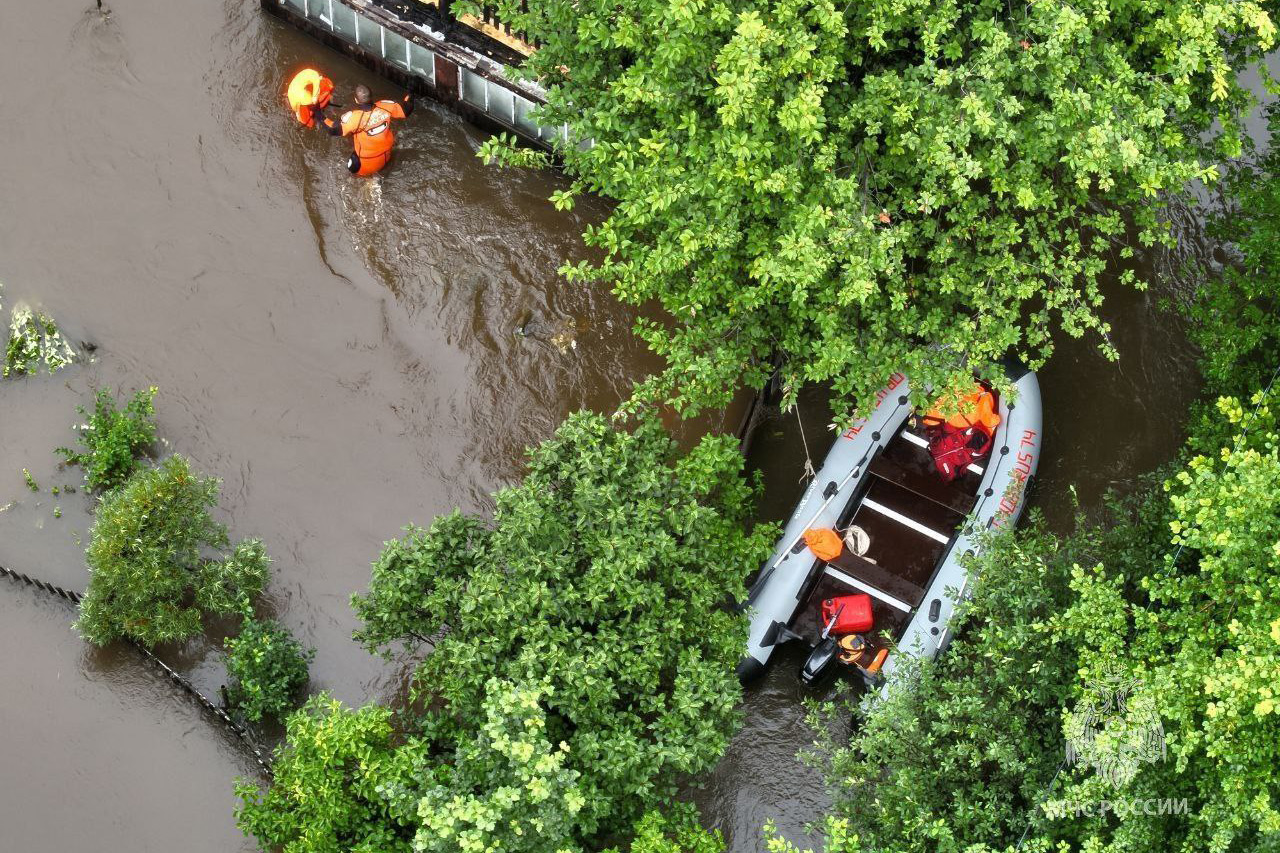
(345, 782)
(338, 786)
(230, 585)
(1201, 638)
(149, 574)
(1174, 591)
(837, 183)
(583, 663)
(963, 755)
(674, 829)
(606, 573)
(268, 668)
(508, 788)
(114, 439)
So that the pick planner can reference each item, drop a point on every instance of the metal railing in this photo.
(73, 597)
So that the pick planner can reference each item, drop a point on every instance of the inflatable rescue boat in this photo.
(900, 524)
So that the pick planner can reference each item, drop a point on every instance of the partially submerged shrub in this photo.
(583, 663)
(674, 829)
(114, 439)
(339, 784)
(268, 667)
(614, 558)
(34, 340)
(150, 578)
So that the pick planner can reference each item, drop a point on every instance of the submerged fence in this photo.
(72, 597)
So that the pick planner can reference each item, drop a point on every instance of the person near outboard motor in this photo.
(368, 122)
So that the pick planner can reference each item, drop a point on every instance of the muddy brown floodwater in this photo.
(341, 353)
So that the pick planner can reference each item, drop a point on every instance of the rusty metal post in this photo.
(446, 80)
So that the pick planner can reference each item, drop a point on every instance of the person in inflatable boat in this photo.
(959, 439)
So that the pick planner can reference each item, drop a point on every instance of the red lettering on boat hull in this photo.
(894, 381)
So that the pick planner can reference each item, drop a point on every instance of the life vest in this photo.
(371, 133)
(309, 88)
(852, 648)
(953, 449)
(976, 407)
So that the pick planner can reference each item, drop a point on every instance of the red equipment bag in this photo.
(852, 612)
(953, 449)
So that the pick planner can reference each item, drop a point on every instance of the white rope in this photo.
(809, 472)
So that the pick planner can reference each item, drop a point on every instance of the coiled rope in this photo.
(181, 681)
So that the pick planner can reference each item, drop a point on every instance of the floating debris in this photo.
(523, 322)
(563, 340)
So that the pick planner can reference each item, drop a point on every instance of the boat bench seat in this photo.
(878, 576)
(926, 486)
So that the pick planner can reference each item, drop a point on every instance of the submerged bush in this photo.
(339, 784)
(114, 439)
(268, 668)
(674, 829)
(150, 579)
(34, 340)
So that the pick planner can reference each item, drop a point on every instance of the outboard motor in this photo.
(819, 661)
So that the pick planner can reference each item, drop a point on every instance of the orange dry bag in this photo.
(309, 88)
(823, 542)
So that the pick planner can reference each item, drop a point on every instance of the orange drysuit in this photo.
(370, 127)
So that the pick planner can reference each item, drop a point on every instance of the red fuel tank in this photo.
(852, 612)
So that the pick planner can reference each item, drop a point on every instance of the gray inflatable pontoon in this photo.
(879, 476)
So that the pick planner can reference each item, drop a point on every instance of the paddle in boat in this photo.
(869, 565)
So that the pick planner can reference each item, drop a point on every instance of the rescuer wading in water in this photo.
(369, 122)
